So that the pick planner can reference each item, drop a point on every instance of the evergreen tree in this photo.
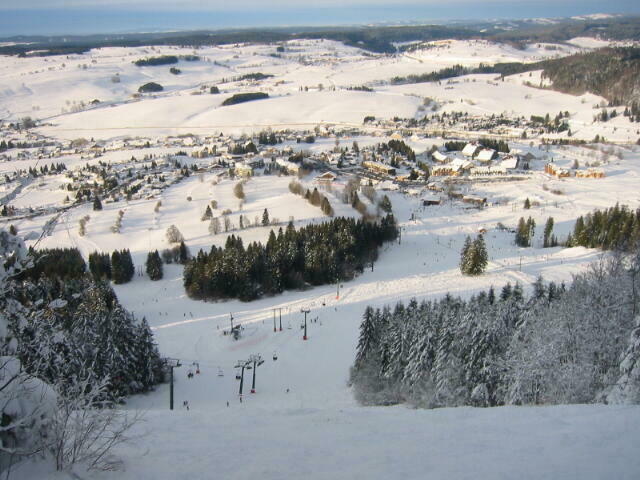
(183, 253)
(315, 198)
(265, 218)
(100, 265)
(385, 204)
(548, 228)
(539, 288)
(116, 267)
(326, 207)
(154, 265)
(527, 204)
(465, 256)
(122, 268)
(207, 213)
(523, 233)
(97, 204)
(506, 292)
(531, 230)
(368, 341)
(474, 258)
(479, 257)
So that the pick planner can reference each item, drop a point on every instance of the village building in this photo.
(379, 167)
(242, 169)
(440, 157)
(486, 155)
(553, 169)
(456, 168)
(326, 178)
(475, 200)
(430, 199)
(470, 149)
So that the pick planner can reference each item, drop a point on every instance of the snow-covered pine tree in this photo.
(627, 388)
(368, 341)
(479, 257)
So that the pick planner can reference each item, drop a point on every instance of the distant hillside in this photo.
(613, 73)
(616, 28)
(377, 38)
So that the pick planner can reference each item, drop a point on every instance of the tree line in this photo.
(312, 255)
(118, 266)
(315, 198)
(244, 97)
(616, 228)
(155, 61)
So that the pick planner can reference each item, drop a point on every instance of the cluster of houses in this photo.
(477, 160)
(560, 172)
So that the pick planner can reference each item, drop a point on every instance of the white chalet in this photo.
(470, 149)
(510, 162)
(440, 157)
(486, 155)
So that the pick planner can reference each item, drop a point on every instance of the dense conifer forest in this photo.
(66, 327)
(155, 61)
(617, 228)
(559, 344)
(245, 97)
(313, 255)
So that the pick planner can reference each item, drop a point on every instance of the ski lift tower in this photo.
(305, 311)
(257, 361)
(171, 364)
(242, 364)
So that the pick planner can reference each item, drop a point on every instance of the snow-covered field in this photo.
(303, 420)
(60, 89)
(316, 428)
